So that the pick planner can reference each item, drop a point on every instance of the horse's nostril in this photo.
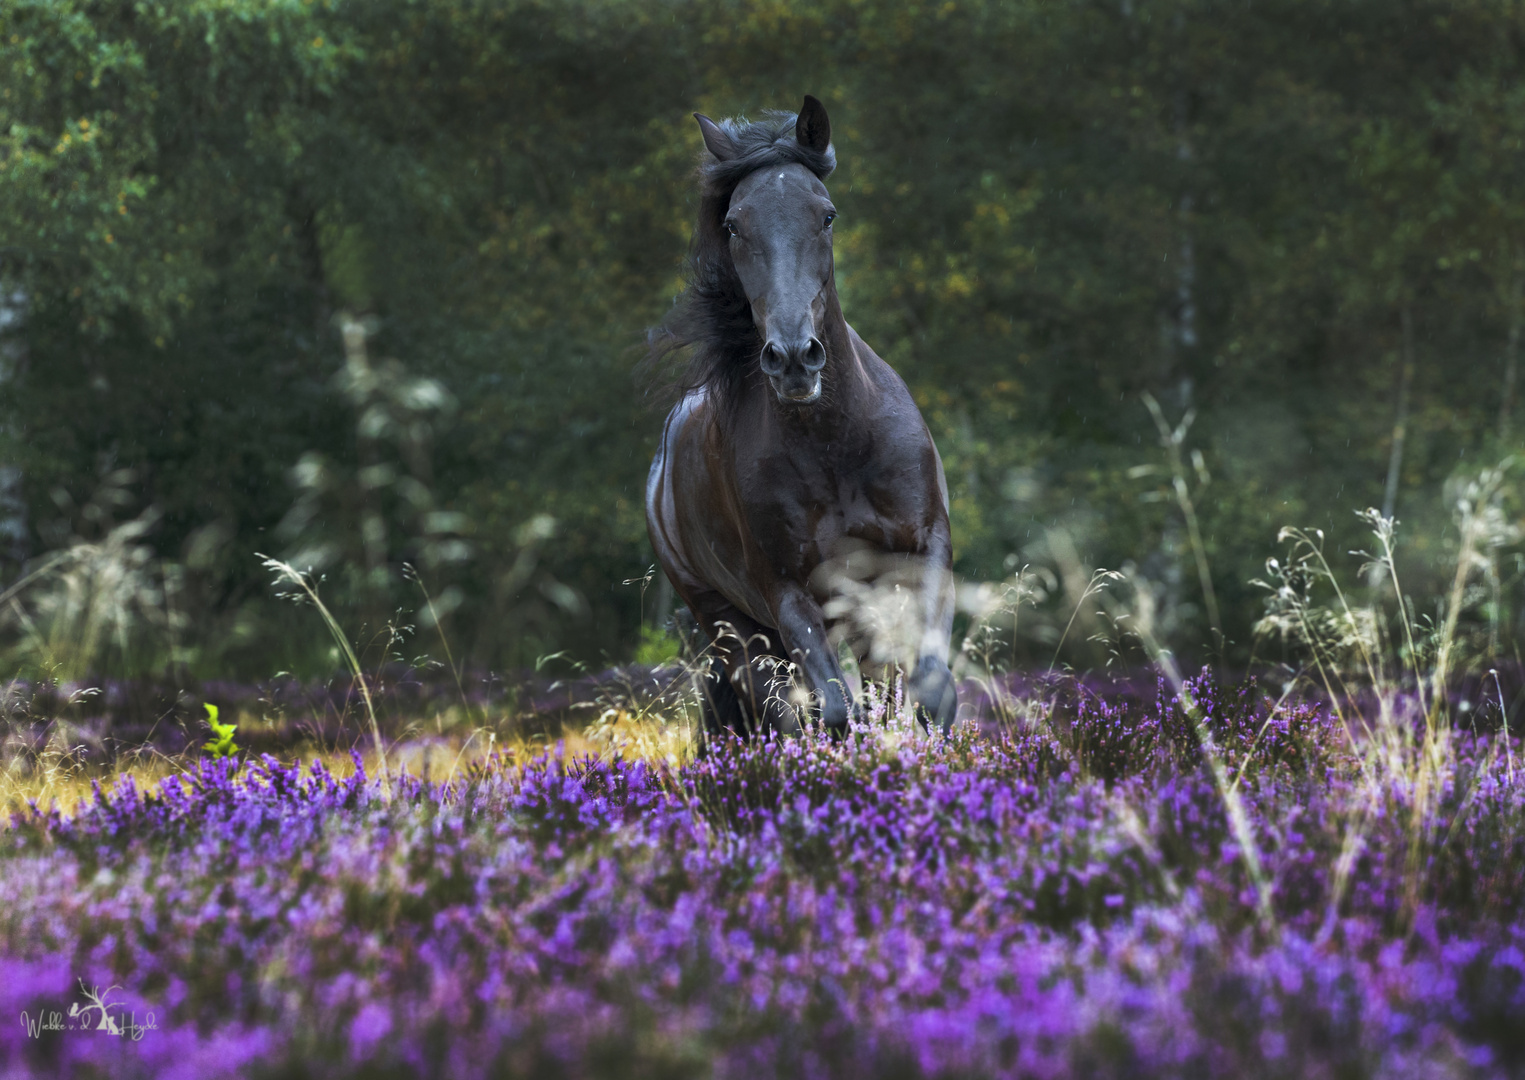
(777, 359)
(773, 359)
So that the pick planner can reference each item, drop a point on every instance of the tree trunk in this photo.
(661, 603)
(1401, 416)
(1511, 354)
(1186, 267)
(303, 211)
(13, 522)
(363, 396)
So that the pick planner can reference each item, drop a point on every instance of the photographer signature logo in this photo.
(97, 1012)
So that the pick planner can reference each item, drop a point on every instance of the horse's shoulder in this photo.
(689, 417)
(868, 360)
(880, 374)
(911, 447)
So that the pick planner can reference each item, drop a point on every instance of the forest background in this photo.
(1297, 226)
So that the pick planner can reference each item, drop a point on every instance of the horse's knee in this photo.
(835, 712)
(722, 711)
(836, 705)
(935, 693)
(754, 686)
(781, 718)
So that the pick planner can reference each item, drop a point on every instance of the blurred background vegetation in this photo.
(363, 285)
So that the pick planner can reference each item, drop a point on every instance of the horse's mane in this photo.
(712, 319)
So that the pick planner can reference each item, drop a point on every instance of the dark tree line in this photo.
(1299, 222)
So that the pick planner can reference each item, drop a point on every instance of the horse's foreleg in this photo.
(935, 693)
(719, 704)
(803, 628)
(749, 659)
(932, 686)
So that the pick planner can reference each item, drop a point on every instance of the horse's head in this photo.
(778, 227)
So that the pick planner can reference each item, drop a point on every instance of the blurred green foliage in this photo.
(1049, 207)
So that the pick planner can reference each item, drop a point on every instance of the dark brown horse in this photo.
(793, 452)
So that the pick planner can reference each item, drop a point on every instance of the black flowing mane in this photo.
(713, 317)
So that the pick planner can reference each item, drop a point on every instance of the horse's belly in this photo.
(697, 542)
(726, 573)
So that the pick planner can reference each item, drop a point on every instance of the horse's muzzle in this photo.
(795, 372)
(798, 388)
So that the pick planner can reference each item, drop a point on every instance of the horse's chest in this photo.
(859, 514)
(812, 512)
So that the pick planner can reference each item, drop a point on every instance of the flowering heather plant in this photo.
(1063, 899)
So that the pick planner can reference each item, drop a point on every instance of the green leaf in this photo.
(222, 744)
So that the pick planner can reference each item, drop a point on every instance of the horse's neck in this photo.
(844, 367)
(841, 357)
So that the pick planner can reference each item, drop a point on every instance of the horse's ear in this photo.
(716, 141)
(813, 129)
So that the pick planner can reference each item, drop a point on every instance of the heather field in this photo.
(1183, 879)
(354, 662)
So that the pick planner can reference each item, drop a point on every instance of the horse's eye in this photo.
(730, 228)
(829, 219)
